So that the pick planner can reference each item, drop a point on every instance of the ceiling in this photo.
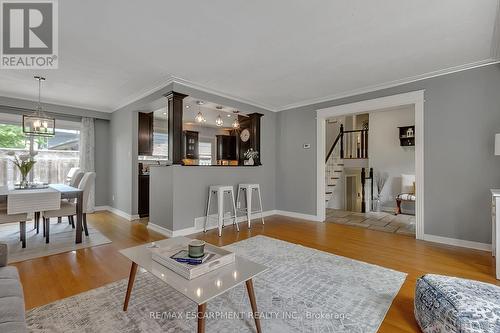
(274, 54)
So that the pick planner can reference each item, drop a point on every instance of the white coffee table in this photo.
(201, 289)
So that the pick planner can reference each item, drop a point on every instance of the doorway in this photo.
(415, 100)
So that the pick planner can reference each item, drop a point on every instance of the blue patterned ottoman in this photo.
(447, 304)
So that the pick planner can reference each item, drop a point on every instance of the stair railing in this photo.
(353, 144)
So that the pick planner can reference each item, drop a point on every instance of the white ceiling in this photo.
(276, 54)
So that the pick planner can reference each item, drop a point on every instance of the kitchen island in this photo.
(179, 194)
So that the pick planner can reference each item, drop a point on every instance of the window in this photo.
(205, 152)
(55, 155)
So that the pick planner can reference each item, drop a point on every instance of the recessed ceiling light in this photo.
(228, 115)
(188, 106)
(164, 113)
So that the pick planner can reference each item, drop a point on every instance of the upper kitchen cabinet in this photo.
(145, 144)
(153, 135)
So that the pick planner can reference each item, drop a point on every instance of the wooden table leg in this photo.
(202, 309)
(131, 279)
(253, 303)
(79, 217)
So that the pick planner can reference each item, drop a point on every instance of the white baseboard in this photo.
(159, 229)
(118, 212)
(458, 242)
(198, 224)
(298, 215)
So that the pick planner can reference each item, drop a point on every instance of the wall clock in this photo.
(245, 135)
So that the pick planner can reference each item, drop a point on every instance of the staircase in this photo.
(348, 145)
(334, 170)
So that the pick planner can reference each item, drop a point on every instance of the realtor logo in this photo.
(29, 36)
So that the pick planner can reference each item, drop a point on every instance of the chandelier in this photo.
(38, 123)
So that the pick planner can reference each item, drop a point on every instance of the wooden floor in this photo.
(51, 278)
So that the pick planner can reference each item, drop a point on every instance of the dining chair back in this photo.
(71, 174)
(86, 184)
(76, 178)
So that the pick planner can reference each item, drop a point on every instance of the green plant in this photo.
(24, 162)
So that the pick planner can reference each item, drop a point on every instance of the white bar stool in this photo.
(248, 189)
(220, 190)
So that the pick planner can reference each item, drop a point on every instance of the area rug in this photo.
(62, 239)
(305, 290)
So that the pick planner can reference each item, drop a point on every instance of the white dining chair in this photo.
(74, 181)
(76, 178)
(71, 174)
(69, 208)
(13, 218)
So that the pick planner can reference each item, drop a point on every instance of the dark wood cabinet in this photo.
(145, 135)
(251, 123)
(226, 147)
(143, 187)
(191, 145)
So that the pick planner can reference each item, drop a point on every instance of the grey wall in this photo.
(295, 166)
(462, 114)
(102, 162)
(386, 154)
(122, 162)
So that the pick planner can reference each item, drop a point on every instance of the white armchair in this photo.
(407, 191)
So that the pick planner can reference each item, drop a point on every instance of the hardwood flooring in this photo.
(51, 278)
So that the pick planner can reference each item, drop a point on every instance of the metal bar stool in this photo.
(248, 189)
(220, 190)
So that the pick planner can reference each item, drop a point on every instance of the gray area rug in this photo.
(62, 239)
(305, 290)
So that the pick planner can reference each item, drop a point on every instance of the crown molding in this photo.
(391, 84)
(143, 93)
(50, 103)
(208, 90)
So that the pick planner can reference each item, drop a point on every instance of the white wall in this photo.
(386, 154)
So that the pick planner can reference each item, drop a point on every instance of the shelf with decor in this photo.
(407, 136)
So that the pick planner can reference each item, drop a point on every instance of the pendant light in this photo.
(38, 123)
(219, 122)
(236, 123)
(200, 118)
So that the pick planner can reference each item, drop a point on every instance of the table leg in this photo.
(79, 217)
(202, 309)
(131, 279)
(253, 303)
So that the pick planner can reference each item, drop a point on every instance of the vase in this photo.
(376, 205)
(24, 181)
(250, 161)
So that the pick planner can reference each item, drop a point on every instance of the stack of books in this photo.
(178, 260)
(183, 256)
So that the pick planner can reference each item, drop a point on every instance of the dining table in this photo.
(66, 192)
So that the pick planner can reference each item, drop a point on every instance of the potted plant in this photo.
(24, 162)
(250, 154)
